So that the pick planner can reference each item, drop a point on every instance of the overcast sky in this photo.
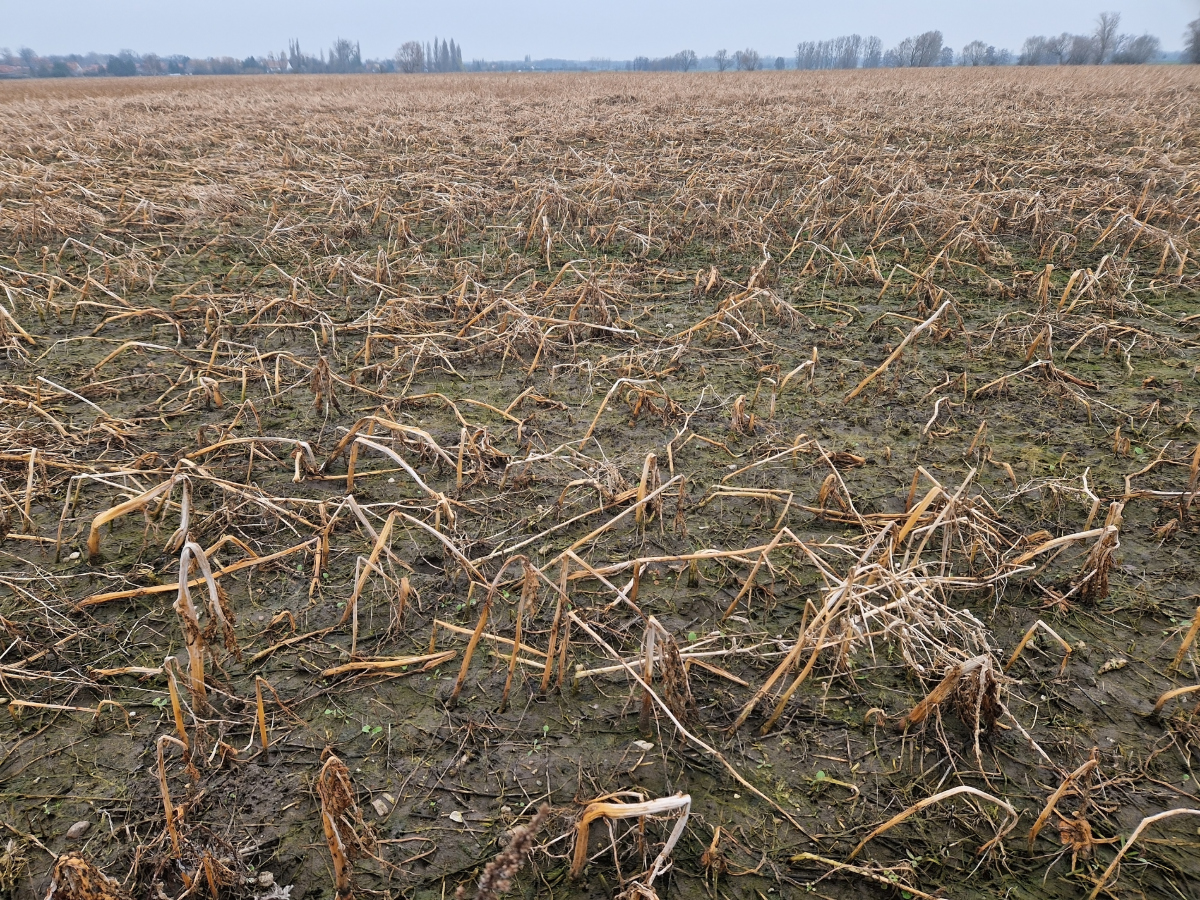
(510, 29)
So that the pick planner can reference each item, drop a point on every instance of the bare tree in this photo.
(974, 54)
(410, 57)
(1034, 52)
(1058, 47)
(748, 60)
(721, 57)
(810, 55)
(1082, 51)
(927, 49)
(345, 56)
(920, 51)
(28, 58)
(152, 65)
(872, 56)
(1191, 42)
(847, 51)
(686, 60)
(1105, 35)
(1136, 51)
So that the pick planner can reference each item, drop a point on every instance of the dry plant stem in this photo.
(171, 667)
(944, 689)
(528, 589)
(654, 631)
(564, 572)
(571, 616)
(474, 642)
(595, 533)
(29, 489)
(488, 636)
(650, 466)
(585, 569)
(1029, 636)
(896, 353)
(384, 534)
(288, 642)
(426, 661)
(183, 533)
(16, 326)
(788, 662)
(1188, 640)
(262, 714)
(168, 806)
(836, 599)
(791, 451)
(1142, 826)
(1057, 542)
(937, 798)
(889, 880)
(1048, 809)
(1172, 694)
(749, 584)
(138, 502)
(620, 382)
(95, 711)
(680, 803)
(569, 522)
(400, 461)
(340, 853)
(781, 704)
(192, 634)
(467, 565)
(97, 599)
(458, 471)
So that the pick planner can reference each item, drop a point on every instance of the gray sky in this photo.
(509, 29)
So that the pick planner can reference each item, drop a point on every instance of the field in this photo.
(384, 458)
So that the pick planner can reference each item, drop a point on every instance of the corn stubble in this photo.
(779, 424)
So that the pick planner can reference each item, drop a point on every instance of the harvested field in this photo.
(384, 458)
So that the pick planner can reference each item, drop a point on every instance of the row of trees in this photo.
(344, 56)
(853, 51)
(748, 60)
(1104, 45)
(846, 52)
(683, 61)
(413, 57)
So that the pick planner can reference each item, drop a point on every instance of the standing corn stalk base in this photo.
(681, 803)
(347, 840)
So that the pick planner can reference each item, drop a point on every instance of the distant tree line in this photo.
(1104, 45)
(343, 57)
(443, 56)
(683, 61)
